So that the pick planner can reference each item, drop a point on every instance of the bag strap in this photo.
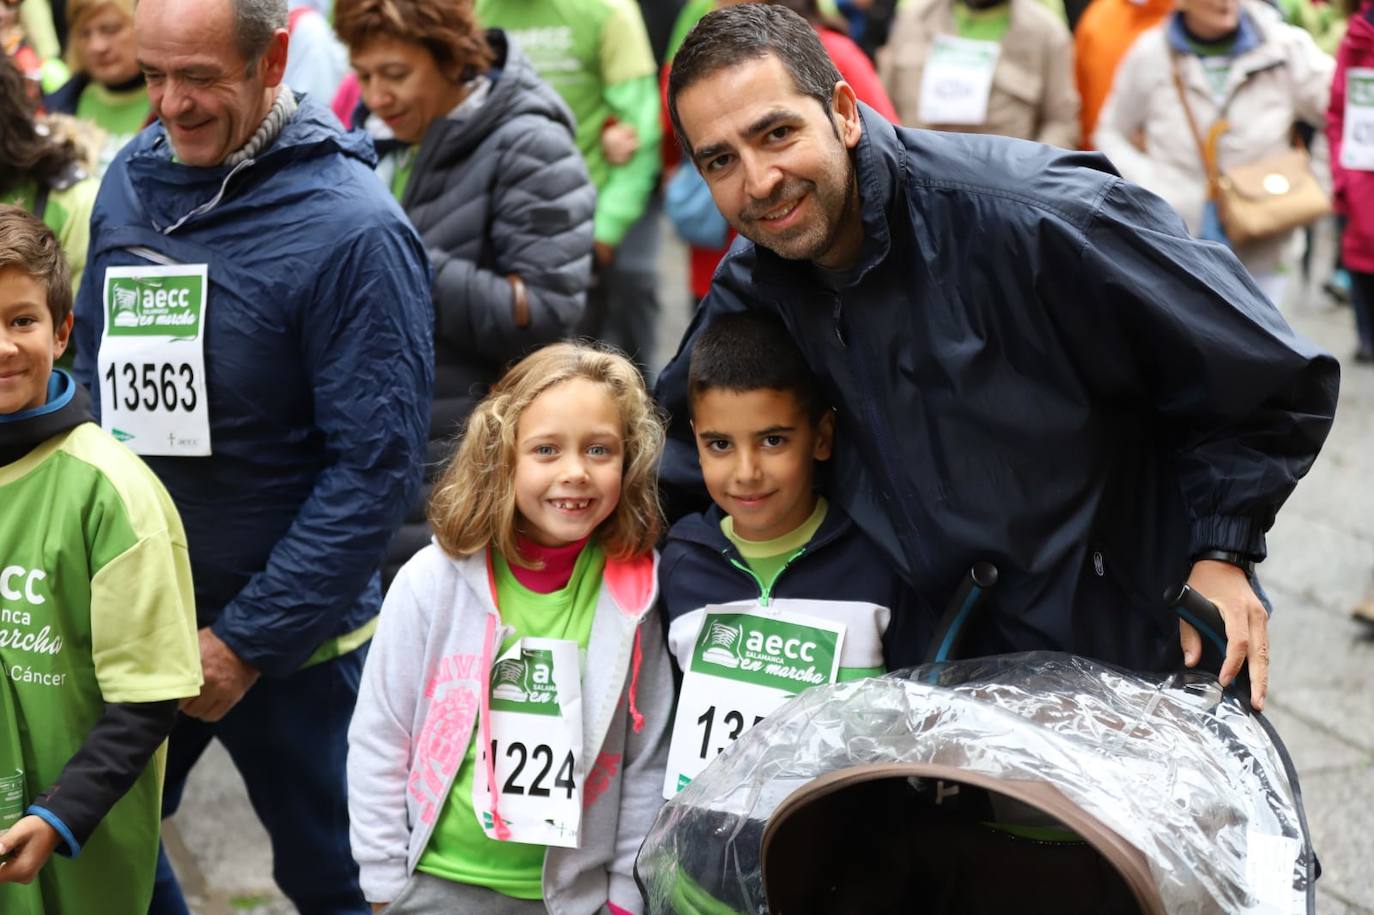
(1208, 162)
(1206, 148)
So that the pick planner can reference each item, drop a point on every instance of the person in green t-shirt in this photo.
(107, 89)
(97, 620)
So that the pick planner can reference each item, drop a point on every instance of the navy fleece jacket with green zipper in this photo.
(700, 567)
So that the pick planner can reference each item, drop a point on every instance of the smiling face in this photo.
(208, 97)
(105, 45)
(778, 164)
(401, 84)
(569, 457)
(29, 344)
(758, 451)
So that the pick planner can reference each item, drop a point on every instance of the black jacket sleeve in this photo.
(1159, 320)
(112, 758)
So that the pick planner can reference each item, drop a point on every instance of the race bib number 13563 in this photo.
(152, 359)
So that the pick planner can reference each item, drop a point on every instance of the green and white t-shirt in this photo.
(458, 849)
(121, 114)
(96, 607)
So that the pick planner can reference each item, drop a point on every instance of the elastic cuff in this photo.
(268, 665)
(1223, 532)
(383, 882)
(624, 896)
(73, 847)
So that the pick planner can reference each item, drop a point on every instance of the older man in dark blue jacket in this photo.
(1033, 362)
(258, 325)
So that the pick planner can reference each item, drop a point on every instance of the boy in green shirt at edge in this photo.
(97, 621)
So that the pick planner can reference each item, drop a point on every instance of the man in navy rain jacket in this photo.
(1033, 363)
(318, 361)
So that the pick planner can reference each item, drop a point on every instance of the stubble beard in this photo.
(834, 200)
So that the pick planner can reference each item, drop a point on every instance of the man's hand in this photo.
(227, 679)
(604, 254)
(24, 848)
(619, 142)
(1247, 625)
(378, 906)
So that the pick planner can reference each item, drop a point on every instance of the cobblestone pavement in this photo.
(1322, 698)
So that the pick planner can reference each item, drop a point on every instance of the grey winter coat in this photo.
(502, 191)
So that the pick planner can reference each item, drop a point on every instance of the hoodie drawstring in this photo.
(635, 717)
(488, 653)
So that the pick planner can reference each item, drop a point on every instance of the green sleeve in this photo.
(691, 14)
(36, 16)
(144, 646)
(143, 624)
(69, 216)
(623, 197)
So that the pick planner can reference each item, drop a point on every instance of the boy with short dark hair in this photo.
(812, 598)
(97, 621)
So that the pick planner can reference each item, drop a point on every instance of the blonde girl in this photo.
(508, 746)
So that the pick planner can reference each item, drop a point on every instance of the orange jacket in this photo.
(1105, 33)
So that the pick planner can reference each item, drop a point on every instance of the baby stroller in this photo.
(1031, 783)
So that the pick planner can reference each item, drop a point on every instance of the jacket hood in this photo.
(68, 406)
(1360, 32)
(1247, 35)
(516, 90)
(169, 191)
(878, 168)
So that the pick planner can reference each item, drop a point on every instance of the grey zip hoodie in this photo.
(418, 707)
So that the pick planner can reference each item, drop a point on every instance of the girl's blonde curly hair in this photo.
(473, 503)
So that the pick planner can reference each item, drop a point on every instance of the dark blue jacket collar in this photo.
(1248, 36)
(170, 190)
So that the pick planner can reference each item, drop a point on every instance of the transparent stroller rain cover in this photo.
(1182, 771)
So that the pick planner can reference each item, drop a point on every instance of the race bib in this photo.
(152, 359)
(11, 798)
(536, 744)
(958, 80)
(1357, 133)
(746, 661)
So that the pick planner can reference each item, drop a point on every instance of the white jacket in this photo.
(422, 685)
(1283, 79)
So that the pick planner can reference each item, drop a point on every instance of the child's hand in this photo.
(619, 142)
(24, 848)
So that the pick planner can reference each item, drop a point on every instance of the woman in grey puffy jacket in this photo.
(479, 152)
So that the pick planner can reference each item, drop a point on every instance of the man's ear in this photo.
(844, 105)
(825, 436)
(274, 59)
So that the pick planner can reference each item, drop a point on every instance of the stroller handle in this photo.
(1204, 616)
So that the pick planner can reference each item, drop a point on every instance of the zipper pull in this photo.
(835, 316)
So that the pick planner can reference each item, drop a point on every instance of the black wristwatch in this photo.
(1239, 560)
